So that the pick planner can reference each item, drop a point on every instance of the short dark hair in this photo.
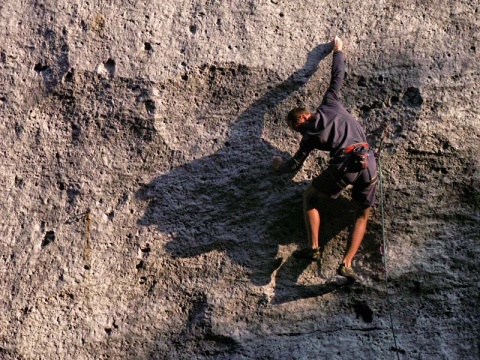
(293, 116)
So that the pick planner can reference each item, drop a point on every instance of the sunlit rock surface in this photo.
(140, 218)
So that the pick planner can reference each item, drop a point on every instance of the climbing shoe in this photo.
(307, 253)
(347, 272)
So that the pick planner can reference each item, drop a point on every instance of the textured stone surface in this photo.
(140, 218)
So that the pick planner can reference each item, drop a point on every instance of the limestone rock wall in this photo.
(140, 218)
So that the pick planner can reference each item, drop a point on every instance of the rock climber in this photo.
(352, 162)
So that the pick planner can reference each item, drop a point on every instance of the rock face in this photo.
(141, 220)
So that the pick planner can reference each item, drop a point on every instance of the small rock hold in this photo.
(49, 237)
(412, 97)
(40, 68)
(363, 310)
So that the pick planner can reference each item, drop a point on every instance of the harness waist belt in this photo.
(354, 146)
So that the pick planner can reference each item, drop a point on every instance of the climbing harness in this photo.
(384, 247)
(354, 158)
(358, 156)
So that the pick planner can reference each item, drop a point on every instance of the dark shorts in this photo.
(333, 181)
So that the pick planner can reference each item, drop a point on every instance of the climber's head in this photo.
(297, 117)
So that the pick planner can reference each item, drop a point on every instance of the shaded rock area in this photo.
(141, 219)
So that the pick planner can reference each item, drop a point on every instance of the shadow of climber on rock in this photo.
(226, 200)
(287, 287)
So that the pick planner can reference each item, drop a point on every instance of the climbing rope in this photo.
(384, 246)
(87, 255)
